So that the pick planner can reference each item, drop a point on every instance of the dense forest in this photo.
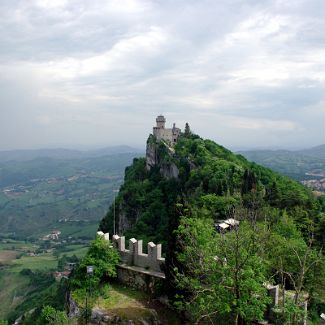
(212, 181)
(279, 239)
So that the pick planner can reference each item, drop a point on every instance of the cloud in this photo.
(75, 71)
(126, 54)
(257, 124)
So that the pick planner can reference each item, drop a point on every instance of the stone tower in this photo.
(169, 135)
(160, 121)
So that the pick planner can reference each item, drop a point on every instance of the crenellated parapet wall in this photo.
(134, 256)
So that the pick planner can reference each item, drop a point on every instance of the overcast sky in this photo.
(245, 73)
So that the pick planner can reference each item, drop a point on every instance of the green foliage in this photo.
(103, 257)
(214, 184)
(40, 294)
(321, 200)
(296, 265)
(210, 178)
(26, 271)
(219, 207)
(222, 274)
(62, 262)
(287, 313)
(51, 316)
(187, 131)
(146, 198)
(3, 322)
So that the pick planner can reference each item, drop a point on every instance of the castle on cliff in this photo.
(168, 135)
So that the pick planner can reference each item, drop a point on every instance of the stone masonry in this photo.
(161, 133)
(134, 256)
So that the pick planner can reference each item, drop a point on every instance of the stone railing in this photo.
(134, 256)
(273, 293)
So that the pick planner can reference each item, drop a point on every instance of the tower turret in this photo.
(161, 121)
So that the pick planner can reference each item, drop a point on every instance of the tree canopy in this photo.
(279, 238)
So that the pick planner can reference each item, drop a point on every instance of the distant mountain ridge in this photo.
(312, 151)
(62, 153)
(306, 165)
(318, 151)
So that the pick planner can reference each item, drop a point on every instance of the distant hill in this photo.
(318, 151)
(70, 195)
(61, 153)
(307, 166)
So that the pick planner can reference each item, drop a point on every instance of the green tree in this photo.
(298, 266)
(222, 275)
(103, 257)
(187, 131)
(62, 261)
(51, 316)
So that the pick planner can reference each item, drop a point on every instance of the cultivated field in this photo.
(7, 256)
(16, 287)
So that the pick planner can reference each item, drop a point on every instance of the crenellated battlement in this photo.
(134, 256)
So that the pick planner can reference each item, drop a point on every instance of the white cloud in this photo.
(258, 69)
(50, 4)
(264, 124)
(127, 54)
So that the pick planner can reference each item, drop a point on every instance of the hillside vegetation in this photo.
(211, 180)
(215, 277)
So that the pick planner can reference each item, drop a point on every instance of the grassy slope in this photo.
(43, 262)
(13, 286)
(128, 303)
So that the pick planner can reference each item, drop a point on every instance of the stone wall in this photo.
(137, 269)
(134, 256)
(274, 309)
(162, 133)
(142, 279)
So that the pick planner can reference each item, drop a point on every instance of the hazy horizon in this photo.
(246, 74)
(143, 147)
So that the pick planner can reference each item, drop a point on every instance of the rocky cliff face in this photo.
(73, 308)
(148, 196)
(167, 169)
(123, 221)
(151, 155)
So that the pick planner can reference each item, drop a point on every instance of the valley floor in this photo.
(16, 286)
